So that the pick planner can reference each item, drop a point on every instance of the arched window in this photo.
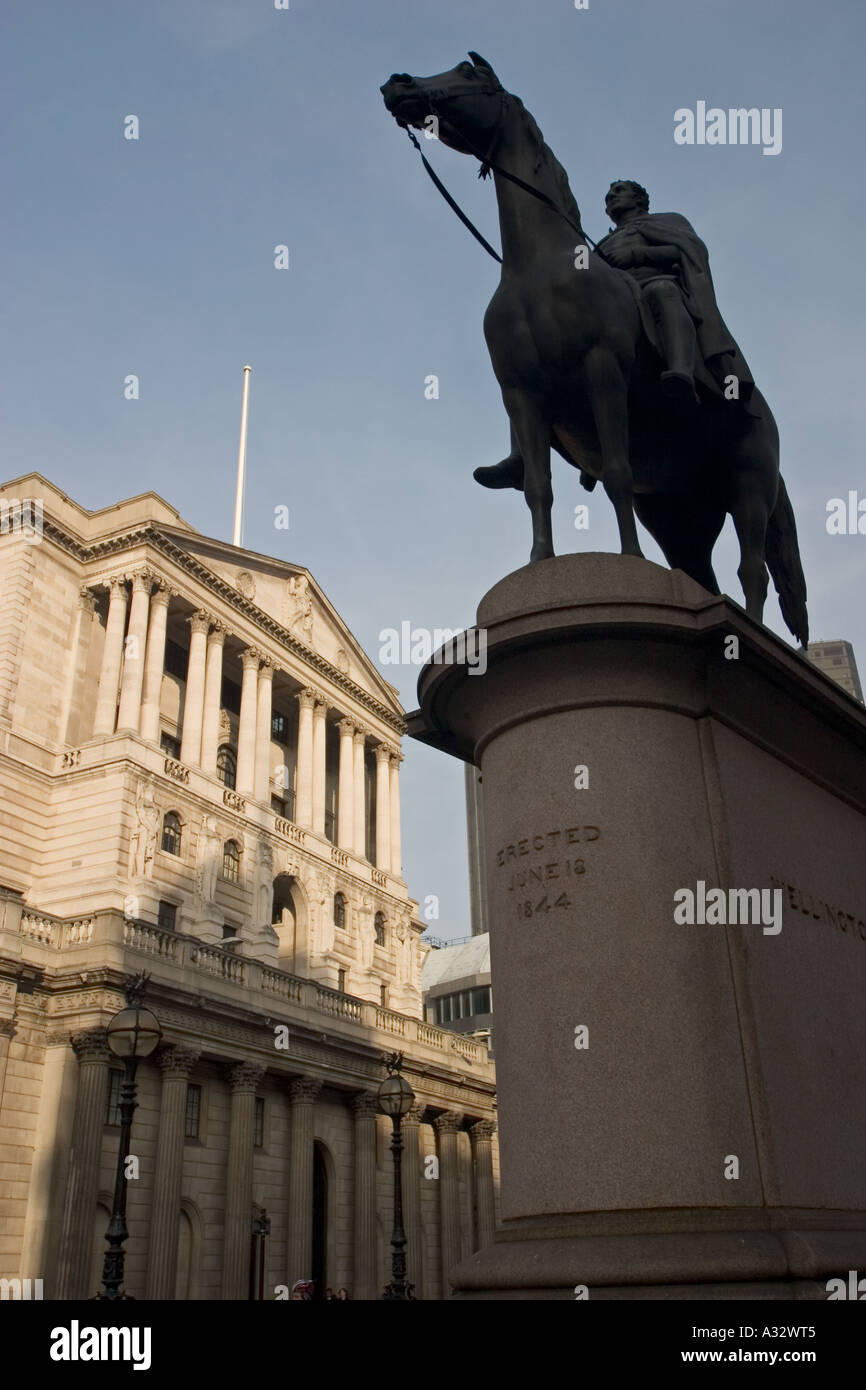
(379, 923)
(227, 766)
(339, 911)
(231, 861)
(171, 832)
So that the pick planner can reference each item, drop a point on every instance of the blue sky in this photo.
(260, 127)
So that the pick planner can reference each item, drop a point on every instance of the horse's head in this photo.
(466, 101)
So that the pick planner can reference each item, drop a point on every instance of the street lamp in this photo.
(395, 1099)
(132, 1034)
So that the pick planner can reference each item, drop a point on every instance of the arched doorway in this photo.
(319, 1271)
(284, 920)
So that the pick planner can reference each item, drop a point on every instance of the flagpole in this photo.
(237, 539)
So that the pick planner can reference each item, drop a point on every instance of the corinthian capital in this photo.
(177, 1062)
(449, 1122)
(365, 1104)
(91, 1045)
(304, 1090)
(482, 1130)
(245, 1076)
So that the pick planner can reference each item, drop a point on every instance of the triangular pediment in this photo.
(290, 596)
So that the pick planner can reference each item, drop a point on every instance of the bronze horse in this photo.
(578, 371)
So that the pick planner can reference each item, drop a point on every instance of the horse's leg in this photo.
(532, 428)
(750, 508)
(686, 529)
(608, 392)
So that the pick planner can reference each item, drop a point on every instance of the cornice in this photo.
(339, 1060)
(151, 534)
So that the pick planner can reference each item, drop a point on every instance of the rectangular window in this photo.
(341, 980)
(167, 916)
(279, 726)
(259, 1124)
(481, 1000)
(229, 932)
(193, 1111)
(176, 659)
(170, 745)
(383, 996)
(112, 1109)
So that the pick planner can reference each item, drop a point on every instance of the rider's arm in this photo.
(666, 256)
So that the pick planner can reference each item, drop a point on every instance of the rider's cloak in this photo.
(696, 284)
(696, 281)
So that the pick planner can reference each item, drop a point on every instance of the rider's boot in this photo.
(508, 473)
(678, 342)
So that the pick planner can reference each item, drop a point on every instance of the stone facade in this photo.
(200, 778)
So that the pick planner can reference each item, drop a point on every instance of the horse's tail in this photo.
(783, 562)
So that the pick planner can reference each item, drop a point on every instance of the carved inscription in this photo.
(542, 869)
(810, 906)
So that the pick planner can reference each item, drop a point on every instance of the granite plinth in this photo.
(692, 1095)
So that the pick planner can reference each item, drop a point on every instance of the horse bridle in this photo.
(437, 95)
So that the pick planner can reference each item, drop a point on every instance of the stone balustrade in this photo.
(169, 953)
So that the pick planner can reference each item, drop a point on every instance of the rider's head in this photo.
(623, 195)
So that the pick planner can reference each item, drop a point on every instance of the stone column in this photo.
(154, 663)
(447, 1126)
(244, 1079)
(481, 1134)
(413, 1162)
(366, 1108)
(394, 786)
(129, 712)
(193, 703)
(299, 1239)
(82, 1184)
(383, 807)
(7, 1033)
(246, 778)
(106, 700)
(319, 756)
(175, 1063)
(263, 732)
(304, 795)
(213, 684)
(77, 660)
(359, 799)
(346, 788)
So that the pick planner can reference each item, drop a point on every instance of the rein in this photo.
(487, 164)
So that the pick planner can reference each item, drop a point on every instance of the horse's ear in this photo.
(483, 63)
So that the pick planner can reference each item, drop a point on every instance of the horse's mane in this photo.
(544, 156)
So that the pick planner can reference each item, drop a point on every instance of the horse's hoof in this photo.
(540, 552)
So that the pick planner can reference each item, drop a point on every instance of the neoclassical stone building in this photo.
(199, 777)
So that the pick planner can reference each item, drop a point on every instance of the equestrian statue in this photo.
(616, 357)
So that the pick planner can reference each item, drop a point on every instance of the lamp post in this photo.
(132, 1034)
(395, 1099)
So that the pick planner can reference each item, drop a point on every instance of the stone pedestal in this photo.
(681, 1106)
